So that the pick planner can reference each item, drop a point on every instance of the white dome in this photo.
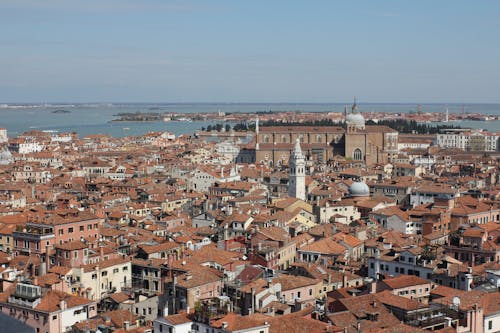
(355, 119)
(5, 156)
(359, 189)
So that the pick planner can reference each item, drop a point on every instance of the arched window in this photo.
(318, 138)
(301, 137)
(283, 138)
(357, 154)
(266, 138)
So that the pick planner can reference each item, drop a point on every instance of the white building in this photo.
(476, 140)
(203, 177)
(30, 147)
(3, 135)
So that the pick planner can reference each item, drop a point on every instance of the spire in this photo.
(297, 150)
(354, 106)
(257, 133)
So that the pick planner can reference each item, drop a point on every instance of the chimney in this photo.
(373, 287)
(101, 252)
(47, 258)
(63, 305)
(344, 281)
(253, 299)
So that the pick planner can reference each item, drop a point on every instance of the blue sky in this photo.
(249, 51)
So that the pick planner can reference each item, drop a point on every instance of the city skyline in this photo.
(222, 51)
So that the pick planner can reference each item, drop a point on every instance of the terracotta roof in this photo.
(177, 319)
(51, 301)
(403, 281)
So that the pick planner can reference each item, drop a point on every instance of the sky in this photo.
(423, 51)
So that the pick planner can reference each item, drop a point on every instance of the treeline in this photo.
(217, 128)
(239, 127)
(322, 122)
(400, 125)
(411, 126)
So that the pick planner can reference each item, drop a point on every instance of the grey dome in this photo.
(5, 156)
(359, 189)
(355, 119)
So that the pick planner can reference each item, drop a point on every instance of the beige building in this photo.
(97, 281)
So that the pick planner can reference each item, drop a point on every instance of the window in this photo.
(70, 230)
(82, 228)
(116, 270)
(357, 155)
(54, 317)
(125, 268)
(104, 273)
(490, 324)
(89, 226)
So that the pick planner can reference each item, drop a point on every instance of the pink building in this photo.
(50, 311)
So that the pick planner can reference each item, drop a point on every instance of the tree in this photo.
(228, 127)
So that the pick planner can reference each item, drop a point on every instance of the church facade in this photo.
(358, 142)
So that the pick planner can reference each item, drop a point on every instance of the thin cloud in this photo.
(386, 14)
(104, 5)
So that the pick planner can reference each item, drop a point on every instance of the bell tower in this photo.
(297, 173)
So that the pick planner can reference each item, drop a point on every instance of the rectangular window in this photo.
(70, 230)
(490, 324)
(81, 228)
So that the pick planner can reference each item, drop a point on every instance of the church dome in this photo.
(5, 156)
(359, 189)
(355, 119)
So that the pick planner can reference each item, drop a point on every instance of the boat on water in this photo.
(126, 128)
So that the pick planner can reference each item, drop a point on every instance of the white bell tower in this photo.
(297, 173)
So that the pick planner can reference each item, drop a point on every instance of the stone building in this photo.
(359, 142)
